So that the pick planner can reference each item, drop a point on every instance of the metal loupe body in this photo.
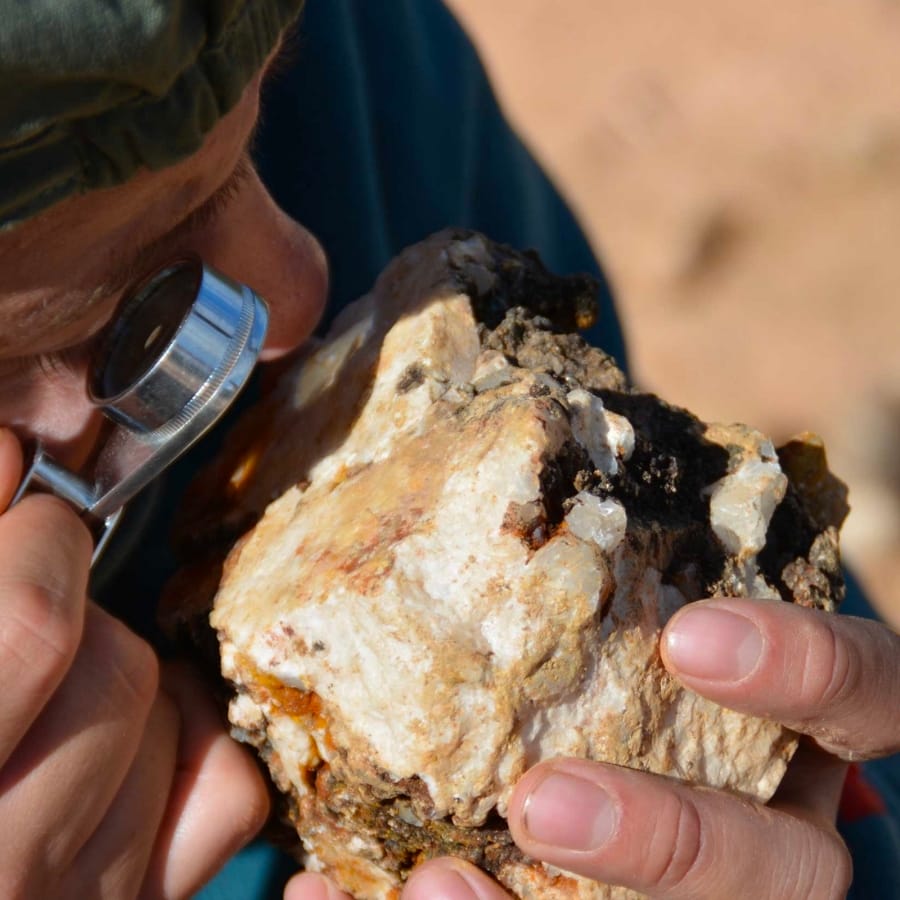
(180, 349)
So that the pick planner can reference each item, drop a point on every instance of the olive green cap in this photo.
(91, 91)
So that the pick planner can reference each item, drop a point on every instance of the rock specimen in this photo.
(476, 533)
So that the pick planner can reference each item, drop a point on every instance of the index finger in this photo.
(45, 553)
(217, 801)
(835, 678)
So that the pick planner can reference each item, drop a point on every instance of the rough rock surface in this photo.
(477, 532)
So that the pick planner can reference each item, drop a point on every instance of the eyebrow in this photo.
(149, 254)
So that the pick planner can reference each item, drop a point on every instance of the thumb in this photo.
(10, 466)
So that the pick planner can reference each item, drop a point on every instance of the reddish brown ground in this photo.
(737, 167)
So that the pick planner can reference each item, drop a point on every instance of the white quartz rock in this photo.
(606, 436)
(742, 504)
(471, 573)
(601, 521)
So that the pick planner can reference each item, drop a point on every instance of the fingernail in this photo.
(440, 883)
(714, 644)
(570, 812)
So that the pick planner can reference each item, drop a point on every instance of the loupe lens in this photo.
(179, 351)
(144, 329)
(158, 351)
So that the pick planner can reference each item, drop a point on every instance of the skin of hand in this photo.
(116, 773)
(834, 679)
(117, 778)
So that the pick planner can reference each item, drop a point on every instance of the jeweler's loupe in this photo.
(178, 352)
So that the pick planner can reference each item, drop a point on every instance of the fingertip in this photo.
(252, 804)
(713, 641)
(833, 677)
(451, 879)
(565, 803)
(208, 750)
(218, 801)
(518, 800)
(313, 886)
(211, 760)
(537, 775)
(10, 466)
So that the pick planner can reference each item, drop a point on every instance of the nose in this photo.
(255, 242)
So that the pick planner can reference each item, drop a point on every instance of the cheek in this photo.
(254, 242)
(57, 412)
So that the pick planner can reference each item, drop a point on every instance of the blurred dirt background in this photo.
(737, 167)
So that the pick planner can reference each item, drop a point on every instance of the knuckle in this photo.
(830, 671)
(34, 633)
(138, 671)
(677, 845)
(72, 527)
(50, 516)
(821, 867)
(130, 668)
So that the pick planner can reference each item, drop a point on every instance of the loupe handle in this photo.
(45, 474)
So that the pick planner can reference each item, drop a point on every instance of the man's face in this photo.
(65, 271)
